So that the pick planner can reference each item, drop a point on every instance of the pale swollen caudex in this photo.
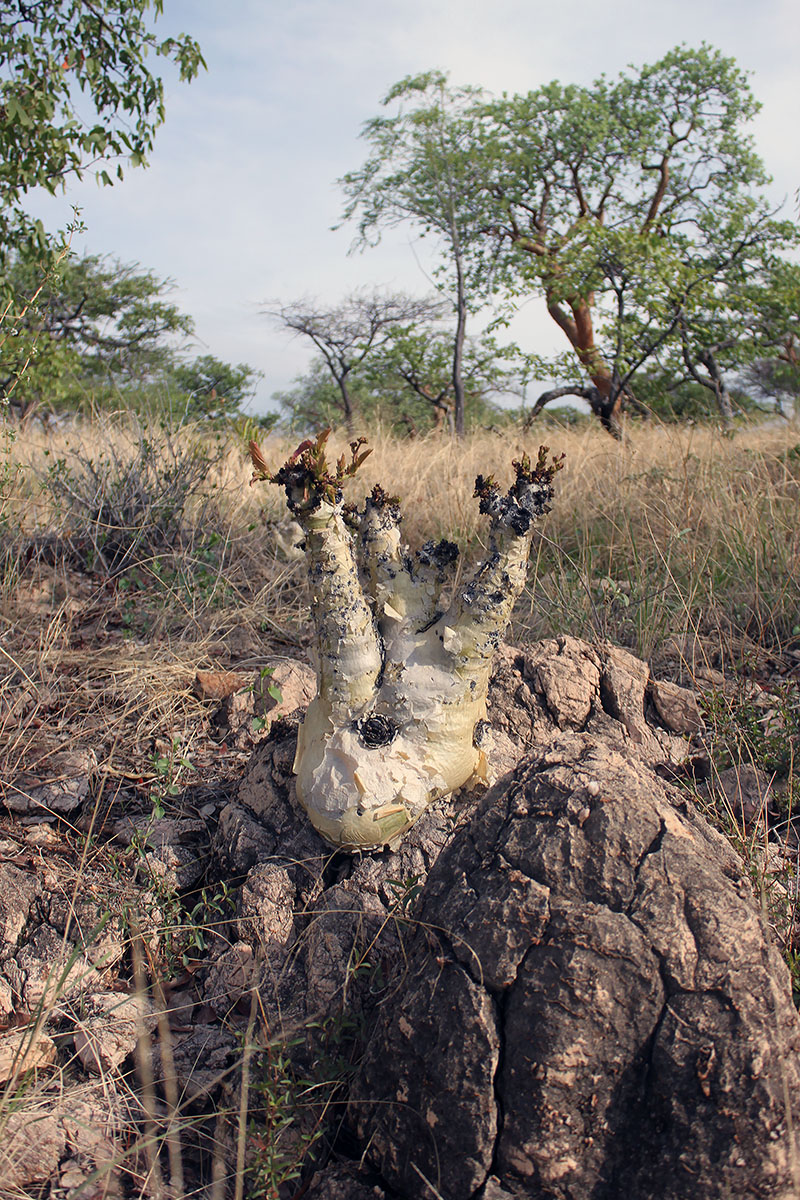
(401, 684)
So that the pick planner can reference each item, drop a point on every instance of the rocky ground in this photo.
(543, 987)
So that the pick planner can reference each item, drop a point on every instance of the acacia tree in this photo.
(92, 323)
(659, 158)
(660, 302)
(96, 330)
(420, 357)
(772, 299)
(347, 334)
(76, 93)
(420, 170)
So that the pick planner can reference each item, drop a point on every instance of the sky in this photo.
(239, 200)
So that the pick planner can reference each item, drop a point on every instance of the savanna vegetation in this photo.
(134, 554)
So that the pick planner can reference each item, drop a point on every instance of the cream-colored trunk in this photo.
(401, 684)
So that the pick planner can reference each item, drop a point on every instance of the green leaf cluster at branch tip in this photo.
(487, 489)
(306, 474)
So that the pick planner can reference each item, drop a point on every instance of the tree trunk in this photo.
(458, 350)
(605, 399)
(347, 403)
(717, 386)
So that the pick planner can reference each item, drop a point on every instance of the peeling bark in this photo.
(401, 684)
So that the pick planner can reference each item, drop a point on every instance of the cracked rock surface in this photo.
(592, 1005)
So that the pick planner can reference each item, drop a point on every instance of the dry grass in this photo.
(679, 544)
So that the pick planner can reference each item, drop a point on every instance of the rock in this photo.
(18, 891)
(230, 978)
(50, 970)
(218, 685)
(308, 914)
(56, 786)
(342, 1182)
(175, 850)
(744, 792)
(567, 674)
(240, 841)
(281, 688)
(267, 787)
(48, 914)
(617, 1000)
(623, 685)
(677, 707)
(92, 921)
(81, 1121)
(266, 908)
(23, 1050)
(32, 1145)
(109, 1027)
(201, 1058)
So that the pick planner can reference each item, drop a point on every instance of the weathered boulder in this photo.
(340, 1182)
(307, 912)
(81, 1123)
(624, 1025)
(174, 850)
(23, 1050)
(742, 791)
(63, 923)
(247, 711)
(677, 707)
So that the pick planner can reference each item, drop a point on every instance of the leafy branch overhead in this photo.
(77, 93)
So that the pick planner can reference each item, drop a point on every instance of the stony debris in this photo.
(341, 1182)
(174, 851)
(74, 1129)
(246, 714)
(49, 969)
(63, 929)
(677, 707)
(230, 977)
(201, 1058)
(33, 1144)
(743, 791)
(56, 786)
(603, 975)
(108, 1026)
(23, 1050)
(18, 891)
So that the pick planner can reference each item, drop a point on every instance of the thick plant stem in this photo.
(401, 683)
(347, 646)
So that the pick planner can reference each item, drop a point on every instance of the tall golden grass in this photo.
(674, 533)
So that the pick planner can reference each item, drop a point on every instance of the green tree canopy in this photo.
(97, 332)
(77, 92)
(634, 207)
(420, 170)
(629, 203)
(214, 389)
